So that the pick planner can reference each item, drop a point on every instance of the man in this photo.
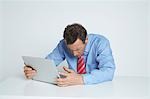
(89, 57)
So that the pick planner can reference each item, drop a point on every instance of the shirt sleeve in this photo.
(57, 54)
(106, 66)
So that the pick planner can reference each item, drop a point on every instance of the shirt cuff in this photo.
(86, 78)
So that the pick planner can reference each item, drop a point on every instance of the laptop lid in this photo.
(46, 69)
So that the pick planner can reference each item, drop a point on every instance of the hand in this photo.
(29, 72)
(71, 78)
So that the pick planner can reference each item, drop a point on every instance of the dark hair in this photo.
(73, 32)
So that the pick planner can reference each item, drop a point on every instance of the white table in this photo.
(121, 87)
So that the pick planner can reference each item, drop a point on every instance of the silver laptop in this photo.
(46, 69)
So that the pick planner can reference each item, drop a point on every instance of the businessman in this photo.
(89, 57)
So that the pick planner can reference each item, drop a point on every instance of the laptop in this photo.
(46, 69)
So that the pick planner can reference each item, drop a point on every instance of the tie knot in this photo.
(81, 57)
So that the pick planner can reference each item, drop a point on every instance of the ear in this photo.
(65, 41)
(86, 40)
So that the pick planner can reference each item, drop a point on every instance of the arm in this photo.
(57, 54)
(106, 66)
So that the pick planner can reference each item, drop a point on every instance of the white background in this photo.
(149, 38)
(30, 27)
(0, 41)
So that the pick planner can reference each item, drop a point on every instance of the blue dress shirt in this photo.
(98, 57)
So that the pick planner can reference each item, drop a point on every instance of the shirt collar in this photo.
(87, 47)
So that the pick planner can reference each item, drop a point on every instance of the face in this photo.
(77, 48)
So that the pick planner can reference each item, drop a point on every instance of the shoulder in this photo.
(61, 44)
(99, 42)
(97, 38)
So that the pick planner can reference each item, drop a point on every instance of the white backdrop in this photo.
(149, 37)
(35, 27)
(0, 41)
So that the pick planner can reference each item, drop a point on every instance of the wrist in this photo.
(80, 79)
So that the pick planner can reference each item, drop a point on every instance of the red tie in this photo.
(81, 66)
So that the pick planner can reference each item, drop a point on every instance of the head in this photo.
(75, 36)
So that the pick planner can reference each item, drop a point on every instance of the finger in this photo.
(29, 77)
(27, 68)
(68, 70)
(30, 74)
(61, 80)
(30, 71)
(62, 84)
(63, 74)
